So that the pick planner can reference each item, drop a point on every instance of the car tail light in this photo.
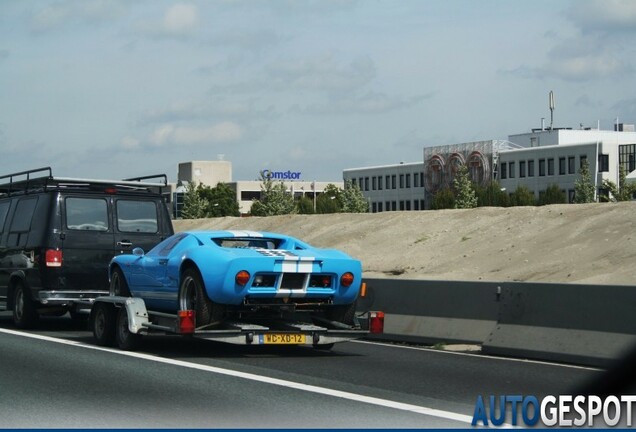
(53, 258)
(376, 322)
(320, 281)
(346, 279)
(242, 278)
(186, 321)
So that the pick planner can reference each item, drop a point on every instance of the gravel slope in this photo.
(585, 243)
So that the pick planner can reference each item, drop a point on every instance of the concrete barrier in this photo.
(583, 324)
(433, 311)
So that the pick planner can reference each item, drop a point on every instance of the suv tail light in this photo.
(53, 258)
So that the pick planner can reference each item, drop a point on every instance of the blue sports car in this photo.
(237, 274)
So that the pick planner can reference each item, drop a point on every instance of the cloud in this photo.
(170, 134)
(179, 21)
(370, 103)
(59, 15)
(607, 16)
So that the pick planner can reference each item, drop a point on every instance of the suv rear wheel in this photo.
(25, 316)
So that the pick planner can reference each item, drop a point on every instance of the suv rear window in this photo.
(137, 216)
(86, 214)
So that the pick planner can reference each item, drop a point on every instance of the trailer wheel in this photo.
(118, 284)
(125, 339)
(192, 296)
(25, 315)
(103, 319)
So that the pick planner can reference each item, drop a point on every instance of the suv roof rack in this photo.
(41, 179)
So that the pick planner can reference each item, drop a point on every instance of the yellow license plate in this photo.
(282, 339)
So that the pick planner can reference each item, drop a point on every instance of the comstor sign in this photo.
(281, 175)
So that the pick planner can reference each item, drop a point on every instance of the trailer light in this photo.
(376, 322)
(53, 258)
(346, 279)
(186, 321)
(242, 278)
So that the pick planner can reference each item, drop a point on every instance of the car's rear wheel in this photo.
(118, 284)
(342, 313)
(192, 296)
(25, 315)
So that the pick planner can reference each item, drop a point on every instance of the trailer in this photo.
(123, 321)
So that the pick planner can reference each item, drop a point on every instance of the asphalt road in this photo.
(59, 378)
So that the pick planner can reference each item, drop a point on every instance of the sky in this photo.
(116, 89)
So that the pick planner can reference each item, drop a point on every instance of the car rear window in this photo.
(86, 214)
(236, 242)
(137, 216)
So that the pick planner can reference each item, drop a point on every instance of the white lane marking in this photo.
(263, 379)
(478, 355)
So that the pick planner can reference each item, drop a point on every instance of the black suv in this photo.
(57, 236)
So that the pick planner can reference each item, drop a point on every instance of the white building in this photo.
(210, 173)
(552, 157)
(536, 160)
(390, 187)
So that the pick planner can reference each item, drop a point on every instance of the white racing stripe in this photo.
(263, 379)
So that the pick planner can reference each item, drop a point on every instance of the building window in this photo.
(551, 166)
(394, 205)
(374, 183)
(374, 207)
(408, 205)
(361, 183)
(379, 207)
(561, 166)
(531, 168)
(627, 157)
(522, 168)
(504, 171)
(534, 141)
(571, 168)
(603, 163)
(570, 196)
(541, 167)
(416, 179)
(416, 203)
(388, 206)
(408, 180)
(401, 181)
(353, 182)
(582, 160)
(366, 183)
(511, 169)
(393, 181)
(379, 182)
(387, 182)
(421, 179)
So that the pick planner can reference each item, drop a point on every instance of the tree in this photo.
(491, 195)
(353, 200)
(552, 195)
(305, 205)
(275, 200)
(522, 196)
(464, 191)
(221, 200)
(194, 206)
(583, 187)
(330, 200)
(621, 192)
(443, 199)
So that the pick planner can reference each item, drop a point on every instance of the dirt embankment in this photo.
(587, 243)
